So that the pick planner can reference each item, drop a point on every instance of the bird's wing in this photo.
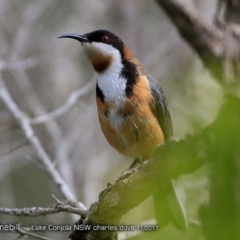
(160, 108)
(168, 205)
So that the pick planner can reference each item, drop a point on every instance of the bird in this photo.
(132, 111)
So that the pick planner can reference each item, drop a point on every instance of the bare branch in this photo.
(39, 211)
(200, 34)
(29, 133)
(72, 100)
(52, 127)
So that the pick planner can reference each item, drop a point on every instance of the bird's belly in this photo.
(131, 135)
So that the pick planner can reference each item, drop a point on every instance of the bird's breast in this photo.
(131, 127)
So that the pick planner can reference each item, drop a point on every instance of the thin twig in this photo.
(35, 162)
(71, 101)
(33, 235)
(15, 148)
(57, 200)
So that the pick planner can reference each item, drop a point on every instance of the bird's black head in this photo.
(98, 36)
(102, 47)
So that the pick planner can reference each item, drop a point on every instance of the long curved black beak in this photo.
(80, 38)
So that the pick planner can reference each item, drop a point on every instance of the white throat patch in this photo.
(110, 81)
(112, 84)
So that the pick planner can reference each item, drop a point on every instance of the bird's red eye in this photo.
(105, 39)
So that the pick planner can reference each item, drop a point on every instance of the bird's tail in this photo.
(169, 209)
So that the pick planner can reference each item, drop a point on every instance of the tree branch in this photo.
(200, 34)
(135, 185)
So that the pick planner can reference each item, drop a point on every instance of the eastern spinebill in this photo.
(132, 111)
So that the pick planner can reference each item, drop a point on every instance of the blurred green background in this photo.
(43, 71)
